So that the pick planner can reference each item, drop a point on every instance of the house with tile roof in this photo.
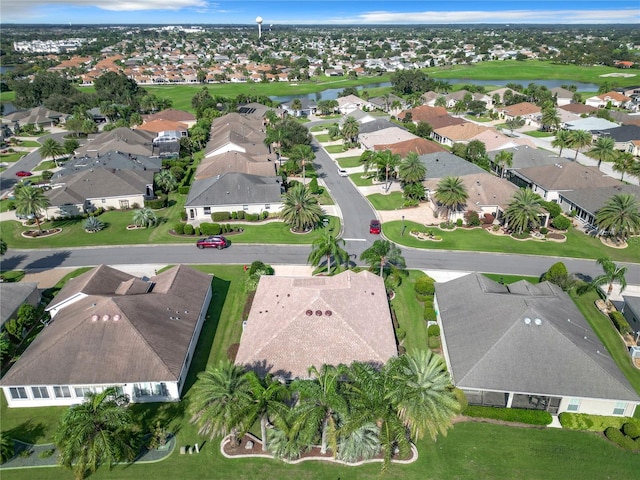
(231, 192)
(91, 189)
(234, 162)
(578, 108)
(418, 145)
(462, 133)
(437, 117)
(296, 323)
(385, 136)
(527, 346)
(173, 115)
(613, 98)
(529, 112)
(111, 329)
(158, 126)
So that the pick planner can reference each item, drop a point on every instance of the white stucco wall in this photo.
(198, 213)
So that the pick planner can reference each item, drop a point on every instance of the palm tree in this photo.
(289, 435)
(624, 163)
(362, 443)
(620, 216)
(327, 245)
(322, 401)
(296, 104)
(612, 274)
(387, 162)
(268, 397)
(219, 400)
(166, 181)
(550, 118)
(350, 129)
(51, 148)
(300, 208)
(144, 217)
(452, 193)
(579, 139)
(603, 150)
(30, 201)
(3, 247)
(523, 210)
(385, 255)
(422, 393)
(412, 169)
(562, 140)
(459, 107)
(302, 154)
(98, 431)
(503, 159)
(414, 191)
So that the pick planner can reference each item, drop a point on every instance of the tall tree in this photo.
(385, 163)
(31, 201)
(165, 181)
(98, 431)
(579, 139)
(562, 140)
(51, 148)
(327, 245)
(612, 274)
(412, 168)
(350, 130)
(385, 256)
(603, 150)
(550, 118)
(296, 104)
(268, 397)
(302, 154)
(624, 163)
(524, 210)
(620, 216)
(219, 400)
(452, 194)
(300, 208)
(503, 160)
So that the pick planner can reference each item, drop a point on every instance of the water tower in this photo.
(259, 22)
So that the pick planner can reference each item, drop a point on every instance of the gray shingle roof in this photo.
(111, 160)
(235, 189)
(12, 295)
(492, 346)
(445, 164)
(108, 337)
(593, 199)
(524, 157)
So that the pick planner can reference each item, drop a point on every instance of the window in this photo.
(574, 405)
(104, 200)
(207, 210)
(82, 391)
(61, 391)
(18, 393)
(245, 207)
(267, 206)
(149, 389)
(620, 408)
(40, 392)
(124, 204)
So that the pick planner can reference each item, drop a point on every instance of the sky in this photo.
(327, 12)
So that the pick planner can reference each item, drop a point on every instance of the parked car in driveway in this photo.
(215, 241)
(23, 173)
(342, 172)
(375, 227)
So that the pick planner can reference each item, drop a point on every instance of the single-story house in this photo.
(171, 114)
(586, 201)
(527, 346)
(37, 116)
(462, 133)
(525, 157)
(626, 138)
(13, 295)
(90, 189)
(296, 323)
(418, 145)
(562, 96)
(529, 112)
(234, 162)
(631, 312)
(590, 124)
(437, 117)
(122, 139)
(110, 160)
(385, 136)
(613, 98)
(349, 103)
(111, 329)
(232, 192)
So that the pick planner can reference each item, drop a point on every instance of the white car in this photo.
(342, 172)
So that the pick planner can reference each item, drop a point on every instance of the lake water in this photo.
(333, 93)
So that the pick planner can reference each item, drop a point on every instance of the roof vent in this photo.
(309, 313)
(328, 313)
(537, 321)
(318, 313)
(105, 318)
(527, 321)
(94, 318)
(116, 317)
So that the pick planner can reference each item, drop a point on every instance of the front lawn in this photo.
(324, 138)
(577, 245)
(361, 181)
(390, 201)
(45, 165)
(538, 134)
(410, 313)
(279, 232)
(334, 148)
(12, 157)
(349, 162)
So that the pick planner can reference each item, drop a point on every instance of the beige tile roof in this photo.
(484, 189)
(234, 162)
(161, 125)
(385, 136)
(520, 109)
(461, 133)
(117, 334)
(421, 146)
(296, 323)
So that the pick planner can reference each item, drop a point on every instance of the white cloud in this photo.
(116, 5)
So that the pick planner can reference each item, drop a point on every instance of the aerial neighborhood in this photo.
(407, 260)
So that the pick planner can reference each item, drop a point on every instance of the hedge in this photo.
(561, 222)
(429, 312)
(631, 430)
(240, 214)
(188, 229)
(184, 189)
(593, 423)
(620, 322)
(531, 417)
(210, 228)
(156, 203)
(424, 286)
(620, 439)
(179, 228)
(433, 330)
(252, 217)
(220, 216)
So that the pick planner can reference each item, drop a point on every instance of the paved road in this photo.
(34, 260)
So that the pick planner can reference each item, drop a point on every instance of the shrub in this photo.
(620, 322)
(157, 203)
(183, 215)
(234, 215)
(433, 330)
(188, 229)
(264, 215)
(313, 186)
(47, 174)
(553, 208)
(593, 423)
(424, 285)
(429, 312)
(183, 189)
(472, 218)
(459, 222)
(544, 230)
(47, 453)
(179, 228)
(557, 270)
(257, 267)
(631, 430)
(462, 399)
(240, 214)
(220, 216)
(401, 334)
(197, 231)
(561, 222)
(92, 224)
(531, 417)
(210, 228)
(620, 439)
(252, 217)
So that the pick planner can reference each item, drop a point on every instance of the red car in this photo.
(374, 227)
(215, 241)
(23, 173)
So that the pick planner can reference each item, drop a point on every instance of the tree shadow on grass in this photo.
(28, 432)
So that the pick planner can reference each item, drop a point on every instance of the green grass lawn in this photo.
(360, 181)
(324, 138)
(324, 198)
(409, 312)
(318, 128)
(279, 232)
(12, 157)
(538, 134)
(26, 143)
(391, 201)
(349, 162)
(334, 148)
(577, 245)
(45, 165)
